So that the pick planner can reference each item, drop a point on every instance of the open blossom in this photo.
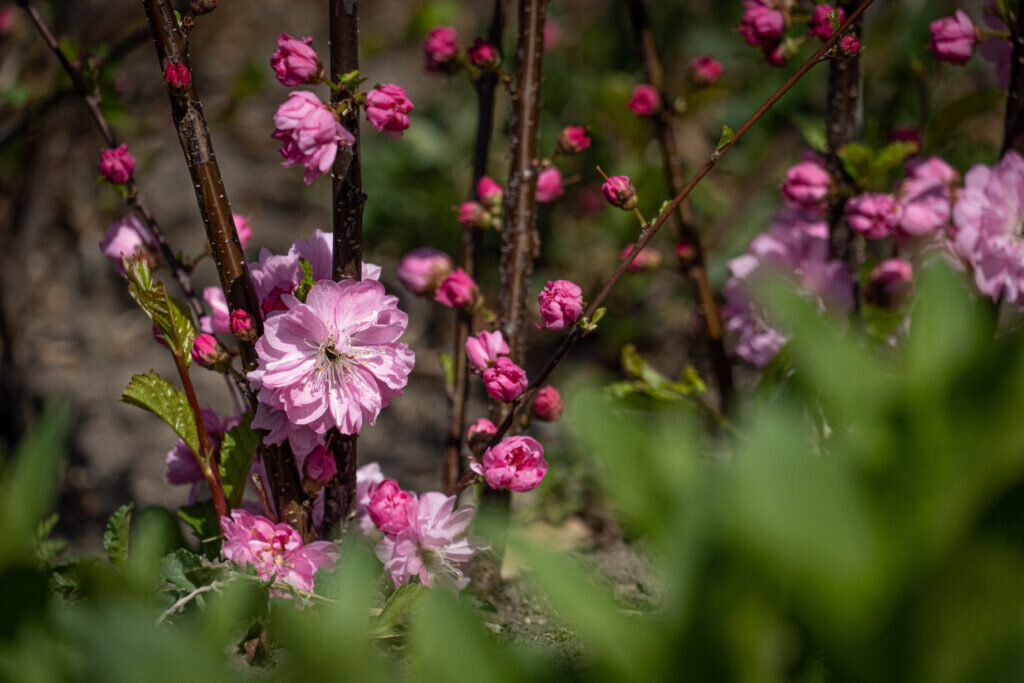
(440, 47)
(561, 304)
(458, 290)
(388, 506)
(890, 284)
(485, 348)
(434, 545)
(547, 405)
(504, 380)
(873, 214)
(276, 551)
(422, 270)
(484, 55)
(367, 478)
(821, 26)
(516, 464)
(117, 164)
(279, 428)
(953, 38)
(549, 185)
(387, 109)
(219, 322)
(649, 258)
(761, 24)
(335, 360)
(310, 134)
(705, 70)
(243, 229)
(645, 100)
(295, 62)
(573, 140)
(128, 237)
(806, 186)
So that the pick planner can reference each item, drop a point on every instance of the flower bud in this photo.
(204, 6)
(573, 140)
(484, 55)
(547, 405)
(873, 214)
(806, 186)
(479, 434)
(953, 38)
(458, 290)
(177, 77)
(490, 193)
(561, 304)
(705, 70)
(505, 380)
(761, 26)
(388, 507)
(243, 326)
(849, 45)
(440, 47)
(387, 109)
(890, 284)
(422, 270)
(645, 100)
(549, 185)
(295, 61)
(116, 164)
(474, 215)
(820, 25)
(320, 467)
(619, 191)
(210, 353)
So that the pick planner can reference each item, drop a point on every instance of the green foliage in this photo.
(447, 367)
(46, 549)
(651, 384)
(393, 616)
(236, 454)
(115, 538)
(202, 519)
(307, 280)
(869, 168)
(155, 394)
(171, 316)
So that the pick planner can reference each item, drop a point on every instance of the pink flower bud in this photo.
(482, 427)
(953, 38)
(776, 54)
(242, 325)
(549, 185)
(389, 505)
(907, 134)
(9, 15)
(243, 229)
(874, 214)
(387, 109)
(516, 464)
(573, 140)
(177, 77)
(474, 215)
(295, 62)
(116, 164)
(649, 258)
(128, 238)
(440, 47)
(548, 404)
(849, 45)
(645, 100)
(890, 284)
(505, 380)
(618, 191)
(705, 70)
(320, 466)
(821, 26)
(484, 55)
(489, 192)
(458, 290)
(806, 186)
(761, 25)
(209, 353)
(310, 134)
(561, 304)
(485, 348)
(685, 252)
(423, 269)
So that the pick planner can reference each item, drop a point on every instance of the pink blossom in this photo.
(319, 465)
(907, 134)
(516, 464)
(128, 237)
(335, 360)
(561, 304)
(953, 38)
(849, 45)
(117, 164)
(8, 19)
(890, 284)
(645, 100)
(484, 55)
(243, 327)
(705, 70)
(310, 134)
(649, 258)
(573, 140)
(440, 47)
(275, 551)
(458, 290)
(618, 191)
(387, 109)
(218, 322)
(489, 192)
(434, 545)
(279, 428)
(474, 215)
(505, 380)
(295, 62)
(777, 54)
(367, 478)
(761, 24)
(924, 206)
(485, 348)
(177, 76)
(482, 427)
(874, 214)
(547, 405)
(821, 26)
(273, 276)
(422, 270)
(243, 229)
(319, 251)
(933, 170)
(549, 185)
(806, 186)
(388, 506)
(210, 353)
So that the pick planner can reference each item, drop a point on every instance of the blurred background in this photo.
(68, 326)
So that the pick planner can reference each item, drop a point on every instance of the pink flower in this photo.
(387, 109)
(440, 48)
(182, 465)
(295, 62)
(8, 19)
(458, 290)
(242, 325)
(128, 237)
(243, 229)
(485, 348)
(367, 478)
(320, 466)
(618, 191)
(422, 270)
(484, 55)
(474, 215)
(705, 70)
(953, 38)
(388, 506)
(219, 322)
(301, 439)
(177, 76)
(547, 405)
(116, 164)
(505, 380)
(335, 360)
(549, 185)
(874, 214)
(573, 140)
(319, 251)
(924, 206)
(645, 100)
(850, 45)
(489, 192)
(210, 353)
(776, 55)
(685, 252)
(932, 170)
(649, 258)
(481, 428)
(761, 24)
(820, 26)
(516, 464)
(276, 551)
(806, 186)
(890, 284)
(434, 545)
(907, 134)
(310, 134)
(561, 304)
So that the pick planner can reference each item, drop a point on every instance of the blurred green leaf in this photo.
(395, 613)
(959, 111)
(202, 518)
(115, 537)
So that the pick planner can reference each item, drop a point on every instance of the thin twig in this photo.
(207, 463)
(180, 603)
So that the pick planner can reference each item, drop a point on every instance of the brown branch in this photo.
(576, 332)
(207, 463)
(692, 268)
(472, 240)
(1014, 126)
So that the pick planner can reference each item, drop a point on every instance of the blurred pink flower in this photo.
(890, 284)
(761, 24)
(820, 26)
(644, 100)
(422, 270)
(219, 322)
(128, 237)
(573, 140)
(243, 229)
(806, 186)
(873, 214)
(440, 47)
(547, 405)
(549, 185)
(705, 70)
(953, 38)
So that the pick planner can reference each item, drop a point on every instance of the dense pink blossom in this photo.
(649, 258)
(549, 185)
(482, 427)
(618, 191)
(761, 24)
(295, 62)
(483, 350)
(644, 100)
(388, 506)
(387, 109)
(422, 270)
(705, 70)
(484, 55)
(806, 186)
(953, 38)
(505, 380)
(873, 214)
(177, 76)
(367, 478)
(279, 428)
(573, 140)
(458, 290)
(219, 320)
(117, 164)
(310, 133)
(319, 465)
(561, 304)
(440, 47)
(242, 326)
(821, 26)
(547, 404)
(850, 45)
(890, 283)
(243, 229)
(335, 360)
(516, 464)
(434, 545)
(128, 237)
(276, 551)
(489, 192)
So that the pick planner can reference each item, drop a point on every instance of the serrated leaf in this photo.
(726, 139)
(115, 538)
(47, 549)
(392, 617)
(155, 394)
(307, 281)
(448, 367)
(202, 518)
(236, 454)
(171, 316)
(174, 569)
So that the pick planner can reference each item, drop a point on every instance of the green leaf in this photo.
(448, 367)
(202, 518)
(726, 139)
(307, 281)
(391, 620)
(155, 394)
(175, 569)
(47, 549)
(856, 160)
(891, 156)
(171, 316)
(115, 538)
(236, 454)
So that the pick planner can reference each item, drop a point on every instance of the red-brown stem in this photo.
(471, 247)
(134, 196)
(207, 464)
(1014, 126)
(693, 268)
(348, 202)
(574, 334)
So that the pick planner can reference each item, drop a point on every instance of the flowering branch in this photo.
(1014, 130)
(693, 267)
(579, 330)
